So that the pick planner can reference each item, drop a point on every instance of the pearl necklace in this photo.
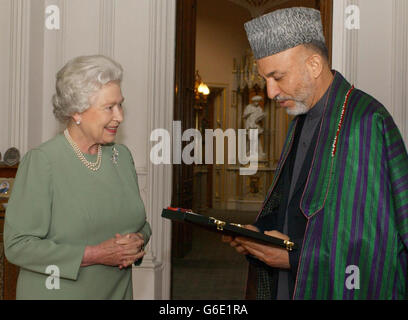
(94, 166)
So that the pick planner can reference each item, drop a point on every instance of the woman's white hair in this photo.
(79, 80)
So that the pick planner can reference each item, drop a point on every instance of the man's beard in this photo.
(299, 99)
(298, 109)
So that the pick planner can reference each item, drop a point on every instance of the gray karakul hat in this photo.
(284, 29)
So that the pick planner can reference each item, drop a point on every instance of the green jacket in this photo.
(355, 202)
(57, 208)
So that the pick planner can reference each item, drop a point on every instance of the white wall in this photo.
(375, 50)
(138, 34)
(374, 57)
(5, 48)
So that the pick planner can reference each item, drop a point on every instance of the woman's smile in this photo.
(112, 130)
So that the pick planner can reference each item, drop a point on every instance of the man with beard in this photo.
(340, 190)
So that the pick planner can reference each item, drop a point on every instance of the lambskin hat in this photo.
(283, 29)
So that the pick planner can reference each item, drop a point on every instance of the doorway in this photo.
(210, 37)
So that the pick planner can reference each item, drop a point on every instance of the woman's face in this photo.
(100, 122)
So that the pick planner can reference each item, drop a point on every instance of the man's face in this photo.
(288, 80)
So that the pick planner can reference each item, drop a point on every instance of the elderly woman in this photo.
(75, 222)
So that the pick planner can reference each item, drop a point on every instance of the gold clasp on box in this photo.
(289, 245)
(220, 224)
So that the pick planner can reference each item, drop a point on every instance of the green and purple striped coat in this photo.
(356, 203)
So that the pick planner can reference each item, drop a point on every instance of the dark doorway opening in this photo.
(195, 255)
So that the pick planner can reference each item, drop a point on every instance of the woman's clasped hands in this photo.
(133, 246)
(121, 251)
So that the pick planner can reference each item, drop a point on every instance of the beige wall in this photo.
(220, 38)
(375, 57)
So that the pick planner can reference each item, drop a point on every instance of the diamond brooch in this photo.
(115, 155)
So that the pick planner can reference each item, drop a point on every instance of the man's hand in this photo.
(273, 256)
(238, 247)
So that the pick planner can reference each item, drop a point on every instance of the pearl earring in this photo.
(78, 122)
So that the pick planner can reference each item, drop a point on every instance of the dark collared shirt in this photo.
(312, 120)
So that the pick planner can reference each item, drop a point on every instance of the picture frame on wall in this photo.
(6, 185)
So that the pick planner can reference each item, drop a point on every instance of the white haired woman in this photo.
(75, 222)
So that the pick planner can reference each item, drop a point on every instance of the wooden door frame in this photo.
(326, 10)
(184, 112)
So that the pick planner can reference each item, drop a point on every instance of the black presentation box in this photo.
(223, 227)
